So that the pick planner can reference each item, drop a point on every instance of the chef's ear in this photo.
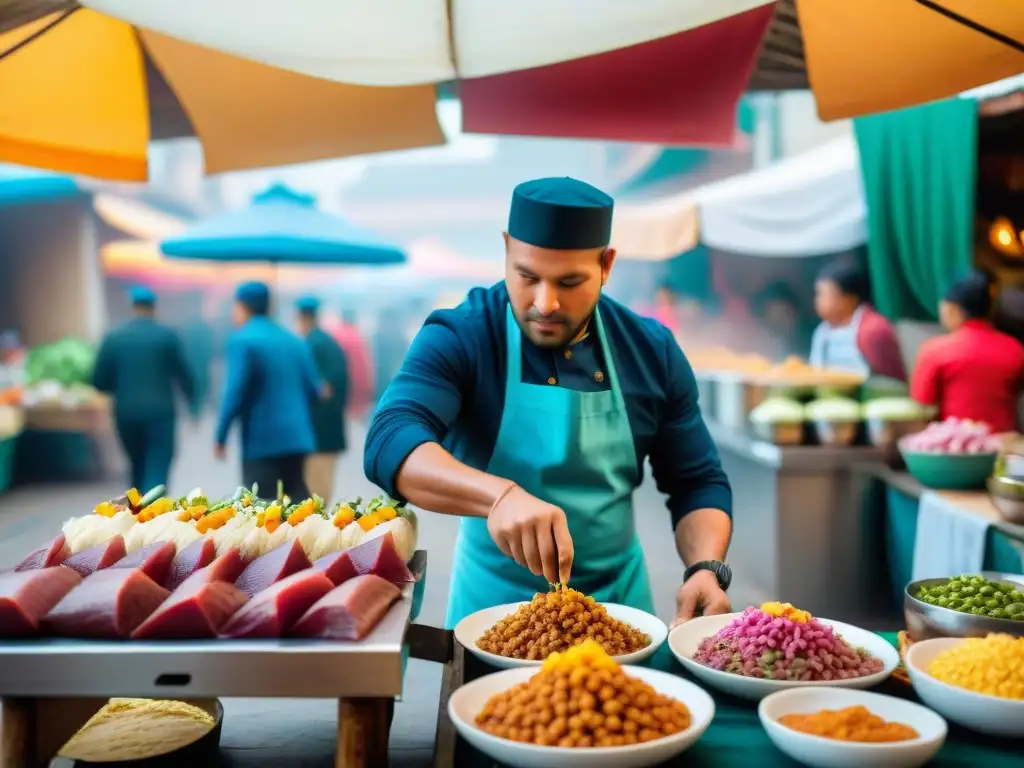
(607, 258)
(505, 237)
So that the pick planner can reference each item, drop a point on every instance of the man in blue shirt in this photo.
(328, 413)
(270, 379)
(529, 411)
(140, 364)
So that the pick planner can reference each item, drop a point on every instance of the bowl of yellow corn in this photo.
(976, 682)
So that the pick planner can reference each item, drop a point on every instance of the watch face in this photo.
(724, 573)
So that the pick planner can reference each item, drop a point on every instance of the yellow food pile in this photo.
(582, 698)
(556, 621)
(992, 665)
(786, 611)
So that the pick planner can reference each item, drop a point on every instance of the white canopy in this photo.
(403, 42)
(806, 205)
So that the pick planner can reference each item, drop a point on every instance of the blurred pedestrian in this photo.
(328, 413)
(139, 365)
(360, 367)
(270, 380)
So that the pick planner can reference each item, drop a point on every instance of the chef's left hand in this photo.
(700, 595)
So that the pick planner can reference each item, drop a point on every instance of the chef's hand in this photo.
(700, 595)
(220, 452)
(533, 533)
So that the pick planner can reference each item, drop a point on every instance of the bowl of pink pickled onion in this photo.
(955, 454)
(776, 647)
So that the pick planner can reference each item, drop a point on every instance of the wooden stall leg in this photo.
(17, 733)
(446, 739)
(362, 733)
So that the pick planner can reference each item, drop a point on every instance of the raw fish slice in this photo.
(54, 553)
(228, 567)
(380, 557)
(350, 611)
(276, 609)
(154, 560)
(109, 604)
(196, 610)
(272, 567)
(337, 567)
(196, 555)
(97, 558)
(27, 596)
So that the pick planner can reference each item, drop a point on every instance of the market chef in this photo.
(529, 411)
(974, 371)
(140, 364)
(852, 336)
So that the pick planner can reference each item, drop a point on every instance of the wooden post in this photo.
(362, 733)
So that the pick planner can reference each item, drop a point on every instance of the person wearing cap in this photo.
(529, 411)
(852, 335)
(328, 413)
(139, 365)
(973, 371)
(270, 378)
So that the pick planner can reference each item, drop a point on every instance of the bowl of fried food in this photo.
(524, 634)
(581, 708)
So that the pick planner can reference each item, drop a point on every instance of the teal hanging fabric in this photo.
(919, 168)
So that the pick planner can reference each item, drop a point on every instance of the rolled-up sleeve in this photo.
(420, 404)
(683, 457)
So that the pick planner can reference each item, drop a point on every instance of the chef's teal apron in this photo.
(574, 450)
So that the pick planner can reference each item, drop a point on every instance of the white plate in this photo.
(469, 700)
(472, 628)
(830, 753)
(980, 712)
(685, 638)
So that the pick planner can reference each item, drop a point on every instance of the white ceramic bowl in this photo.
(472, 628)
(684, 639)
(469, 700)
(830, 753)
(991, 715)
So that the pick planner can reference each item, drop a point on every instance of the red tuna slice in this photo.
(198, 554)
(201, 605)
(27, 596)
(277, 564)
(197, 609)
(337, 567)
(109, 604)
(350, 611)
(380, 557)
(97, 558)
(154, 560)
(54, 553)
(274, 610)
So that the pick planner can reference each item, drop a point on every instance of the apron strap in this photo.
(514, 358)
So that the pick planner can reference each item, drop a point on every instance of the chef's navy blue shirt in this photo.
(270, 380)
(451, 390)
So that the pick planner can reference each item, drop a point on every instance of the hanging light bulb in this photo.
(1003, 236)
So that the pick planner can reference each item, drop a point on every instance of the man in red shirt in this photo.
(973, 372)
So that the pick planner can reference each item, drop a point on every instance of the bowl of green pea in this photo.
(969, 605)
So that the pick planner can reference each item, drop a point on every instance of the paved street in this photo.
(301, 733)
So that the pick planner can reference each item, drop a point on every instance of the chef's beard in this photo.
(572, 329)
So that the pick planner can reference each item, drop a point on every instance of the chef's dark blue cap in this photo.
(561, 213)
(141, 296)
(255, 296)
(308, 305)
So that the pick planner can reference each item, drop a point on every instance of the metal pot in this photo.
(1007, 495)
(836, 432)
(734, 399)
(885, 432)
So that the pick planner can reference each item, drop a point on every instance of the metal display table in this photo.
(50, 687)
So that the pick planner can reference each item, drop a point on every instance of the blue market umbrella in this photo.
(282, 226)
(20, 185)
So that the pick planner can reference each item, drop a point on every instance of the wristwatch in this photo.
(722, 572)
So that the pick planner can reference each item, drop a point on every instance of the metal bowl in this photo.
(1007, 495)
(925, 621)
(836, 432)
(778, 433)
(884, 432)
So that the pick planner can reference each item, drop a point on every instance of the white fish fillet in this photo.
(352, 535)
